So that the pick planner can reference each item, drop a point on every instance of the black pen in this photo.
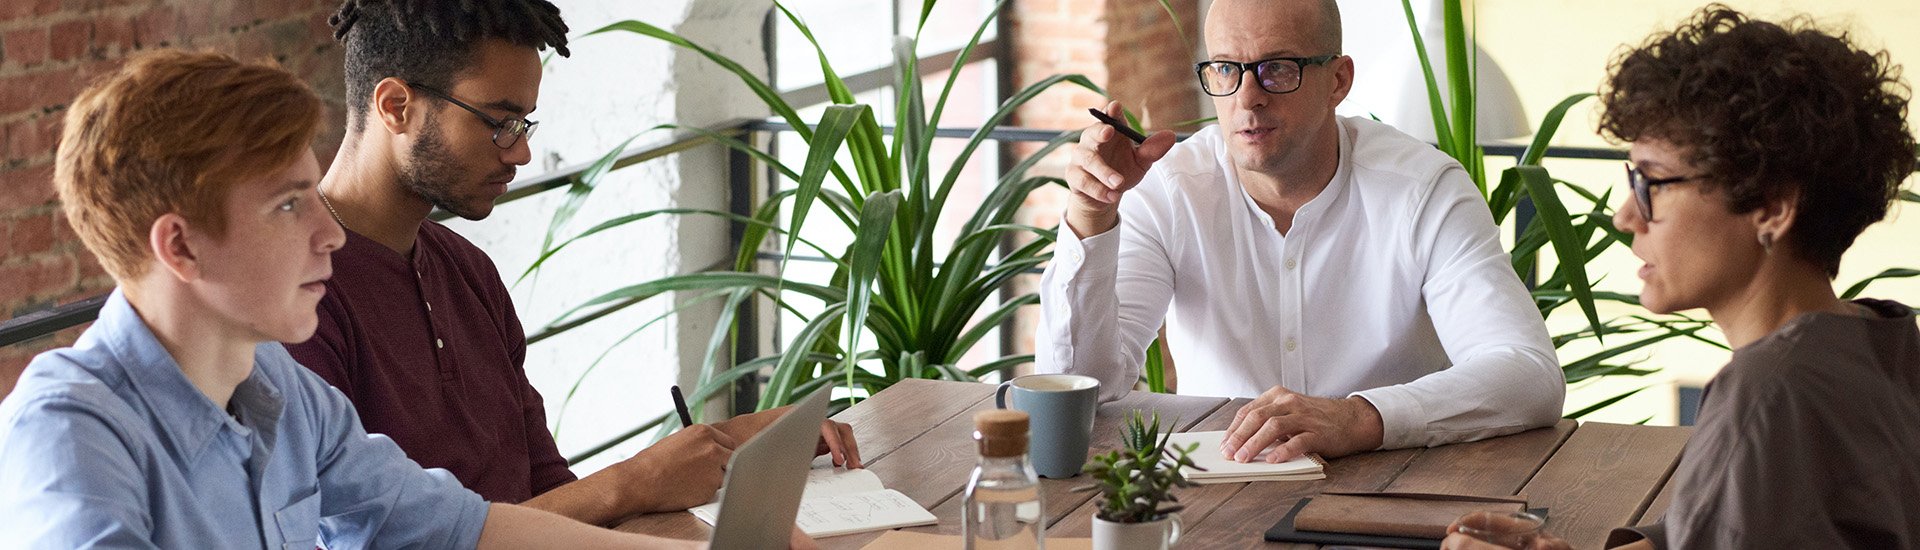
(680, 404)
(1119, 126)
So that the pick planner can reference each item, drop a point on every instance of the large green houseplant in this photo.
(894, 308)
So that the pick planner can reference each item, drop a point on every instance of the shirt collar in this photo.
(1336, 186)
(185, 418)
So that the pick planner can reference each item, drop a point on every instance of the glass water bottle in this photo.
(1001, 507)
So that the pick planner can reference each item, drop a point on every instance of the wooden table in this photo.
(917, 437)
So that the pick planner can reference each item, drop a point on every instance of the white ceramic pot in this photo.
(1159, 534)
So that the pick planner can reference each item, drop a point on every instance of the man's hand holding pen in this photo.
(836, 438)
(1103, 167)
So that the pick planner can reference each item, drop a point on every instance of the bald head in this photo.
(1316, 21)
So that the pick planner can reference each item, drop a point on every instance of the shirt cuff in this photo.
(1655, 534)
(1099, 253)
(472, 514)
(1402, 417)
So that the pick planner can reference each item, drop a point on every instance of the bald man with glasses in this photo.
(1346, 276)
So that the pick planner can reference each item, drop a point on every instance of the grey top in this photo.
(1807, 439)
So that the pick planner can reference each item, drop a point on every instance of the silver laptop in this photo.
(766, 478)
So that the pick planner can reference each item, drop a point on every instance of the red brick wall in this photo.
(1132, 48)
(49, 50)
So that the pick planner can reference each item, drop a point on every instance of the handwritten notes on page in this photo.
(841, 502)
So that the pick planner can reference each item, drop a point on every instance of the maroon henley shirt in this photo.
(429, 350)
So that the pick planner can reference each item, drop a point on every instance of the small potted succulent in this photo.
(1137, 508)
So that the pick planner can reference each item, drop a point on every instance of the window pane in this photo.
(856, 34)
(950, 26)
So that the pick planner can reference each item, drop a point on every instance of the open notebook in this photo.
(840, 502)
(1222, 470)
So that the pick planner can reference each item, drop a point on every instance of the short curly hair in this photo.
(1768, 110)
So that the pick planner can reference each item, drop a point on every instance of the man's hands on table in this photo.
(1301, 424)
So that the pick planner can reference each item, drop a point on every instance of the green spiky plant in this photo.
(913, 312)
(1136, 482)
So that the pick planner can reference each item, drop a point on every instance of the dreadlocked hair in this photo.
(429, 41)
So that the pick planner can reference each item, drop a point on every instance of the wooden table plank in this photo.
(1494, 467)
(1658, 509)
(1243, 520)
(1603, 477)
(881, 425)
(904, 411)
(916, 437)
(1056, 495)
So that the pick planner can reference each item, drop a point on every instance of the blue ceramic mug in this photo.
(1061, 408)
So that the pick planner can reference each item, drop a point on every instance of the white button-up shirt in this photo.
(1391, 285)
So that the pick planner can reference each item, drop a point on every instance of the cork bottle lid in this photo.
(1001, 432)
(1000, 423)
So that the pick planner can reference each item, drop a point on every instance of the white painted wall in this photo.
(613, 87)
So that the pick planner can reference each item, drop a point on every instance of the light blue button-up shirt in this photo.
(106, 444)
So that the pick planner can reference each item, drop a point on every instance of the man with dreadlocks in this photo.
(417, 328)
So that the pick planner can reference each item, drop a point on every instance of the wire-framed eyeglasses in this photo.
(505, 132)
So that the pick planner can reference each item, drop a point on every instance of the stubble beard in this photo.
(432, 175)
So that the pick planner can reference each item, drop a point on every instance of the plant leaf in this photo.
(1559, 227)
(986, 324)
(1538, 148)
(1894, 273)
(707, 281)
(1590, 409)
(835, 123)
(637, 216)
(788, 372)
(1460, 82)
(1442, 132)
(876, 224)
(577, 192)
(1155, 371)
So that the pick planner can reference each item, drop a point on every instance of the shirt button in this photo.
(1291, 344)
(1289, 263)
(437, 344)
(429, 306)
(1073, 255)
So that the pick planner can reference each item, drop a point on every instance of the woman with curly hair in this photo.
(1759, 152)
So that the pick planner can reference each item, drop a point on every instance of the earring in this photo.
(1766, 242)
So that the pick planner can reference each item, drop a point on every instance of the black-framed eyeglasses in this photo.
(505, 132)
(1278, 75)
(1643, 188)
